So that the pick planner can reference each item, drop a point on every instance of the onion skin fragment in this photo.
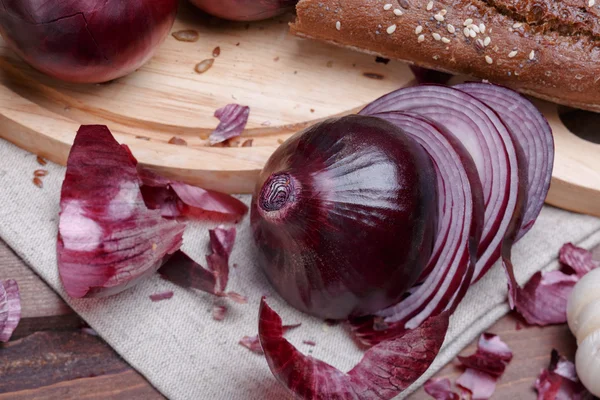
(86, 41)
(344, 215)
(384, 371)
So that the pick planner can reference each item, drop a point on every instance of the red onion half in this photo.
(344, 216)
(86, 40)
(245, 10)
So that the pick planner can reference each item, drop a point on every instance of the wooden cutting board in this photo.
(288, 83)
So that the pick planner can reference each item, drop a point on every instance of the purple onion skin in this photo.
(245, 10)
(344, 216)
(86, 41)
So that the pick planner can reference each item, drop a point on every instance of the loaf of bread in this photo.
(546, 48)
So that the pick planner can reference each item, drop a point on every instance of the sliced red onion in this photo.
(440, 389)
(10, 308)
(560, 382)
(175, 198)
(234, 118)
(531, 130)
(108, 239)
(481, 385)
(236, 297)
(492, 356)
(161, 296)
(543, 300)
(309, 342)
(185, 272)
(384, 371)
(579, 260)
(252, 343)
(491, 146)
(451, 265)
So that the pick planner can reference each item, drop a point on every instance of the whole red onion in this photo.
(86, 40)
(344, 216)
(245, 10)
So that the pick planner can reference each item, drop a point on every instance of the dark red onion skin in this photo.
(86, 41)
(245, 10)
(344, 216)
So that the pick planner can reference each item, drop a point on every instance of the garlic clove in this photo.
(584, 292)
(588, 320)
(587, 363)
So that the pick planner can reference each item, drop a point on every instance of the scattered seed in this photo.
(418, 30)
(41, 160)
(532, 55)
(488, 60)
(216, 52)
(177, 141)
(391, 29)
(479, 44)
(280, 141)
(309, 342)
(472, 33)
(482, 28)
(512, 54)
(204, 65)
(38, 182)
(388, 7)
(143, 138)
(439, 17)
(467, 32)
(429, 6)
(248, 143)
(487, 41)
(436, 36)
(404, 4)
(474, 27)
(188, 35)
(445, 40)
(397, 12)
(421, 38)
(468, 22)
(373, 75)
(591, 3)
(338, 25)
(517, 25)
(451, 28)
(40, 172)
(443, 12)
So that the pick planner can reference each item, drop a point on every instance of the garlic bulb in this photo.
(583, 316)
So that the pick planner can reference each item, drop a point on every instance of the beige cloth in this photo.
(177, 345)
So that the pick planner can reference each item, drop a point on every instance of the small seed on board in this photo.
(41, 160)
(216, 52)
(40, 172)
(177, 141)
(248, 143)
(204, 65)
(38, 182)
(188, 35)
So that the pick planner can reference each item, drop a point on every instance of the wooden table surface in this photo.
(50, 357)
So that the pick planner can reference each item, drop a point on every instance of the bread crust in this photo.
(557, 42)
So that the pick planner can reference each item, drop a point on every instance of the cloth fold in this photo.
(186, 354)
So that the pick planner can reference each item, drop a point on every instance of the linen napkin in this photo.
(186, 354)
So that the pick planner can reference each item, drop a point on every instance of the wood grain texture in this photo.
(34, 367)
(289, 84)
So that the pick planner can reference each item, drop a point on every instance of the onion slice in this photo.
(234, 118)
(174, 199)
(491, 146)
(533, 133)
(107, 238)
(10, 308)
(384, 371)
(560, 381)
(440, 389)
(577, 259)
(221, 242)
(492, 355)
(460, 209)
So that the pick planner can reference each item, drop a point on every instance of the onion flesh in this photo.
(10, 308)
(87, 41)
